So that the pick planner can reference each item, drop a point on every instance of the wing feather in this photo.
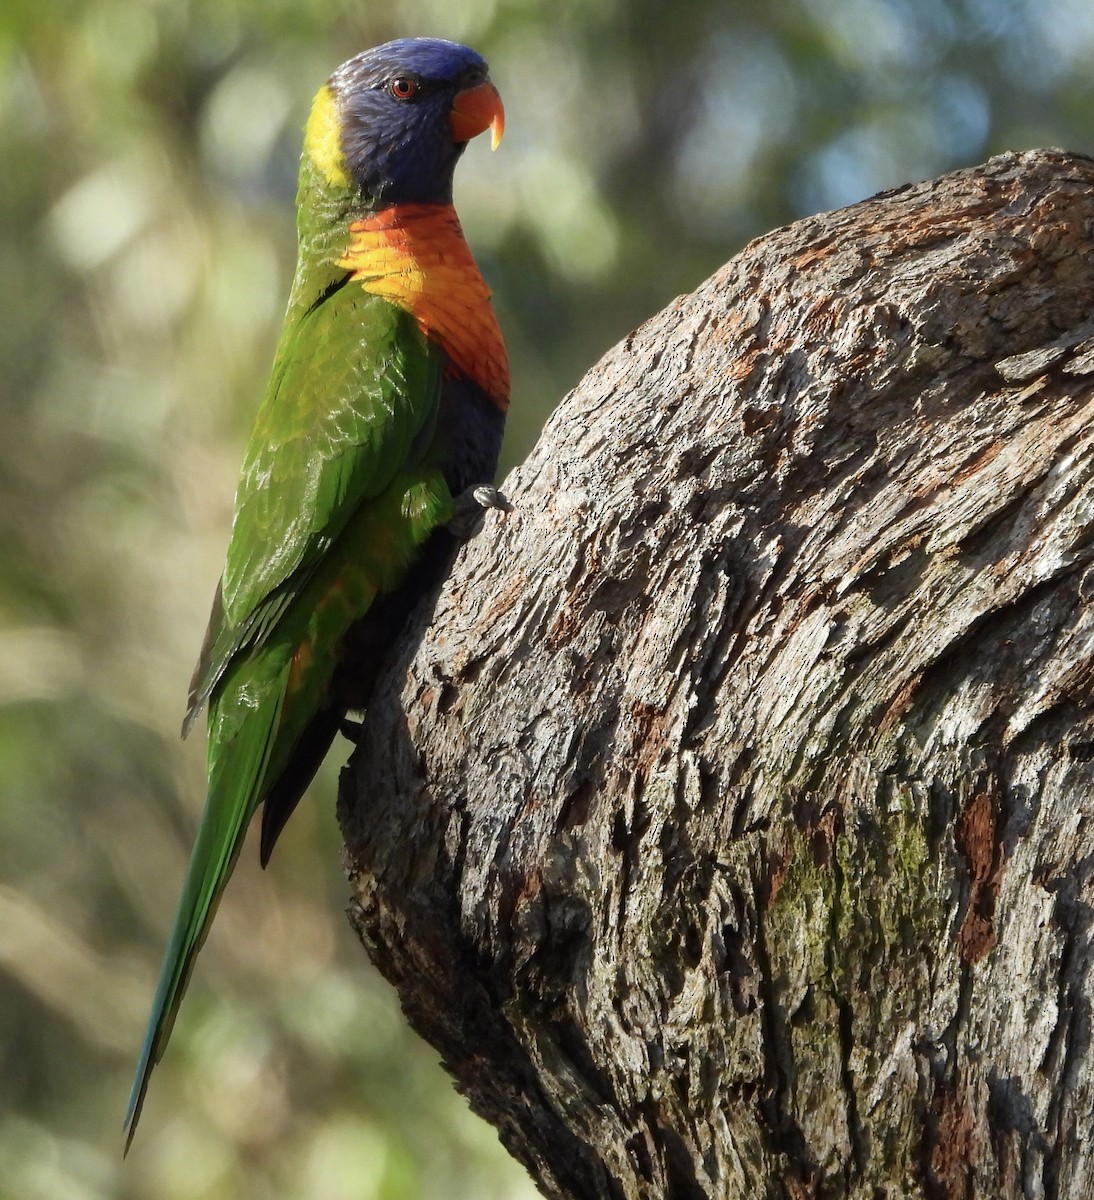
(355, 385)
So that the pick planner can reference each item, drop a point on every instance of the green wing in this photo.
(330, 506)
(352, 400)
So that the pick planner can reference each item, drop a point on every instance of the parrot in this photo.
(383, 413)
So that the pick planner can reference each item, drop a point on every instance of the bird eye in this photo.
(403, 88)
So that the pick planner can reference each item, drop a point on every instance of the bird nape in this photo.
(386, 402)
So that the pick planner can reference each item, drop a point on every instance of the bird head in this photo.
(392, 122)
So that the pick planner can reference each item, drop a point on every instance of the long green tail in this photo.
(236, 783)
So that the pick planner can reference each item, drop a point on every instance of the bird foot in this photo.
(469, 507)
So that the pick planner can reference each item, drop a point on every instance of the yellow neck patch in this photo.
(323, 138)
(415, 256)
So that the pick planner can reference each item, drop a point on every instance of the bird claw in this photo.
(470, 505)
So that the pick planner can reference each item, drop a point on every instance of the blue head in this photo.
(405, 112)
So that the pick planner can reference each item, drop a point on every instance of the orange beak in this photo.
(475, 110)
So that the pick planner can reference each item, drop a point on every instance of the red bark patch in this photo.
(820, 827)
(647, 738)
(799, 1183)
(977, 840)
(777, 866)
(953, 1152)
(900, 703)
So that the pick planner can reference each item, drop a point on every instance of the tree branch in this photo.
(729, 828)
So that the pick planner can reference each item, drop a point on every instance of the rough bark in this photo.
(727, 821)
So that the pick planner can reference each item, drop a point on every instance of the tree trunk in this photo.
(727, 820)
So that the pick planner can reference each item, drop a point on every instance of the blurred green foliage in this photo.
(146, 245)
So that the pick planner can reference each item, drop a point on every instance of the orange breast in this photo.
(415, 255)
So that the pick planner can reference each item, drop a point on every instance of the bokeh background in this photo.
(148, 153)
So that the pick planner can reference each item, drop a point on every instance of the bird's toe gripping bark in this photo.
(470, 505)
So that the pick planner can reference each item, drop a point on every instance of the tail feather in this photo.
(284, 795)
(187, 938)
(236, 783)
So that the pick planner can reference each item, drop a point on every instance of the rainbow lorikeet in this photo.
(385, 404)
